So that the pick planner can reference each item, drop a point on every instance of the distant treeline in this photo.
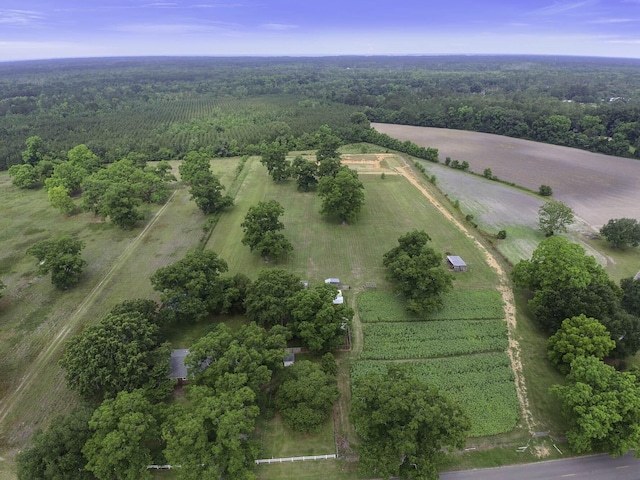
(165, 107)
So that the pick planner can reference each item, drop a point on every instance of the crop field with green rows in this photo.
(393, 341)
(482, 384)
(383, 306)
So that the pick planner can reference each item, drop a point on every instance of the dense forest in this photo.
(165, 107)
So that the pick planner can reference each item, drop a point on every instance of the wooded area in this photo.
(165, 107)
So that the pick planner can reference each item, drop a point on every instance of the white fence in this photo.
(260, 461)
(296, 459)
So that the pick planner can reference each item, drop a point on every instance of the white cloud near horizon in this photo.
(278, 26)
(20, 17)
(562, 7)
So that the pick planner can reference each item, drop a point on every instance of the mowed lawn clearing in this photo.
(37, 318)
(323, 248)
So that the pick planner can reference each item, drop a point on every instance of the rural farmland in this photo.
(598, 187)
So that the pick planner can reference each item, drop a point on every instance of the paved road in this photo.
(597, 467)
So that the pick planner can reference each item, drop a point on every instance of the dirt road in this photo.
(505, 291)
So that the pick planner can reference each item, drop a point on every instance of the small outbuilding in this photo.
(290, 359)
(333, 281)
(339, 300)
(178, 370)
(456, 263)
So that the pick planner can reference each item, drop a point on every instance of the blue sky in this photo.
(32, 29)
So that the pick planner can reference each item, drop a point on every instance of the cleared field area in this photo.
(598, 187)
(495, 206)
(381, 306)
(37, 318)
(418, 340)
(482, 384)
(277, 440)
(323, 248)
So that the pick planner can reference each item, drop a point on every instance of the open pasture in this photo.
(598, 187)
(482, 384)
(324, 248)
(383, 306)
(418, 340)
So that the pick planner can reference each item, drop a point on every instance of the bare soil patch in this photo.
(598, 187)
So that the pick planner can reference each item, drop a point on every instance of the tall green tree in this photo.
(83, 156)
(316, 321)
(327, 143)
(24, 176)
(602, 406)
(192, 164)
(56, 453)
(59, 198)
(274, 158)
(622, 232)
(223, 359)
(212, 438)
(405, 426)
(206, 190)
(60, 257)
(554, 217)
(417, 272)
(578, 336)
(191, 287)
(557, 262)
(328, 167)
(119, 202)
(266, 301)
(631, 295)
(68, 175)
(261, 227)
(305, 173)
(121, 353)
(566, 282)
(342, 195)
(124, 429)
(305, 397)
(35, 150)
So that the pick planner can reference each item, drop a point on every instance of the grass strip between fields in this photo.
(407, 340)
(384, 306)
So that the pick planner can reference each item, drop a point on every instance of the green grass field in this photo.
(353, 253)
(121, 262)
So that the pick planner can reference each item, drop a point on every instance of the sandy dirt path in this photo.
(57, 342)
(505, 290)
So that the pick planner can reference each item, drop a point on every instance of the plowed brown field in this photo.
(598, 187)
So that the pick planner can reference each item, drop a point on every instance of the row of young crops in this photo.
(460, 350)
